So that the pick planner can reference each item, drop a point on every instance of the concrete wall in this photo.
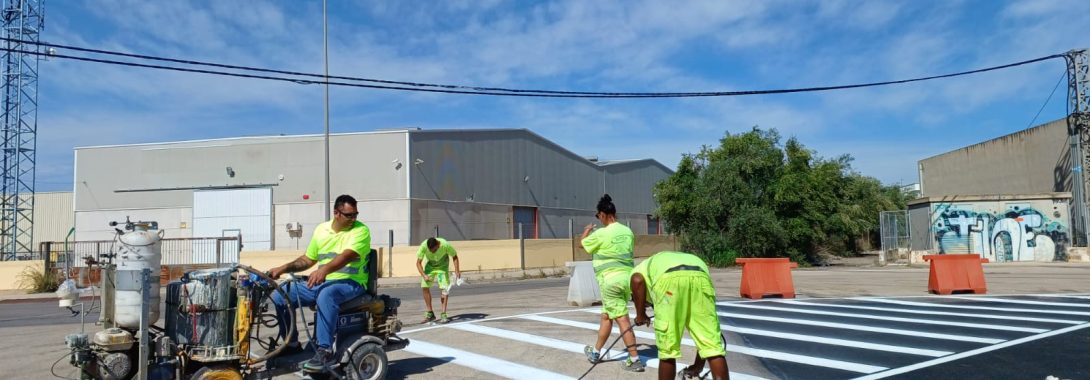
(1026, 162)
(999, 228)
(94, 225)
(9, 272)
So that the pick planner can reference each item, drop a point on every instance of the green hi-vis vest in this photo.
(438, 261)
(326, 244)
(610, 248)
(664, 264)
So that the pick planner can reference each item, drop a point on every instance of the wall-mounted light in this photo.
(418, 161)
(526, 179)
(230, 172)
(397, 164)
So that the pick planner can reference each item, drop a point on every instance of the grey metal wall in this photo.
(919, 226)
(478, 175)
(1026, 162)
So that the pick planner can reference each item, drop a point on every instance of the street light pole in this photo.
(325, 42)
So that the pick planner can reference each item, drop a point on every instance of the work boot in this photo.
(428, 317)
(632, 365)
(320, 362)
(443, 318)
(592, 356)
(688, 373)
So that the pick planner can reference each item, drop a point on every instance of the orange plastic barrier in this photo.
(763, 278)
(956, 273)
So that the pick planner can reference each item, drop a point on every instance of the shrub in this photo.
(37, 281)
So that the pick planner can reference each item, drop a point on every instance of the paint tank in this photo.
(137, 250)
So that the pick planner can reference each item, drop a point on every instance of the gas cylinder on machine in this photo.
(137, 249)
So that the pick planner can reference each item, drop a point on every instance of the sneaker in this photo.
(320, 362)
(428, 317)
(633, 365)
(592, 356)
(443, 318)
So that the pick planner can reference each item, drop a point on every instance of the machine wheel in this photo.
(368, 362)
(217, 373)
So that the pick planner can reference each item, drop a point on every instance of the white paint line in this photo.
(833, 341)
(962, 355)
(481, 363)
(570, 346)
(1010, 309)
(1079, 296)
(930, 312)
(960, 338)
(1024, 302)
(492, 319)
(768, 354)
(891, 319)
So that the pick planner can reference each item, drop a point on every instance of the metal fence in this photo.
(178, 251)
(894, 230)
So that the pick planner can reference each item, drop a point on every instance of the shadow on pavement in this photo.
(400, 369)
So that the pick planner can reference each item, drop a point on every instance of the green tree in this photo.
(750, 196)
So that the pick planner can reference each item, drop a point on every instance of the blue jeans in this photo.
(328, 296)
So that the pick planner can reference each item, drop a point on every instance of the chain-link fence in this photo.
(894, 230)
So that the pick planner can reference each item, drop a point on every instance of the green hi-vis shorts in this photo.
(687, 302)
(615, 294)
(439, 276)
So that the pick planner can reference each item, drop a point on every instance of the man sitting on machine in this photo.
(340, 248)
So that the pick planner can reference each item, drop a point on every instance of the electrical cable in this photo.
(471, 90)
(608, 349)
(53, 368)
(1047, 99)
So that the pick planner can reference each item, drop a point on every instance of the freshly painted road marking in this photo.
(929, 312)
(832, 341)
(848, 326)
(570, 346)
(1010, 309)
(1079, 296)
(769, 354)
(1024, 302)
(891, 319)
(481, 363)
(978, 351)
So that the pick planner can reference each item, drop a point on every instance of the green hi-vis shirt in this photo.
(664, 264)
(326, 244)
(611, 250)
(440, 260)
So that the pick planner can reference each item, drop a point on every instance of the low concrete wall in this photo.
(9, 272)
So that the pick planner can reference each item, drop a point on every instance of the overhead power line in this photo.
(382, 84)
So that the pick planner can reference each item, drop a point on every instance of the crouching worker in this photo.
(680, 289)
(433, 263)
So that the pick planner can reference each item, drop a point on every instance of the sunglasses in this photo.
(349, 215)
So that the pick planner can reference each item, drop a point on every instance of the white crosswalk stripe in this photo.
(890, 319)
(848, 326)
(481, 362)
(1018, 301)
(832, 341)
(830, 363)
(969, 307)
(931, 312)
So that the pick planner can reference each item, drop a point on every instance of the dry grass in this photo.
(37, 281)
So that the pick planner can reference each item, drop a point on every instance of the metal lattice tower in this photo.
(1078, 124)
(22, 23)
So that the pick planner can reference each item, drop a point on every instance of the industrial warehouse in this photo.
(411, 184)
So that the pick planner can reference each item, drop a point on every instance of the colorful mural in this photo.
(1002, 231)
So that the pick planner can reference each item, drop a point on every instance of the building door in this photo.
(527, 216)
(231, 212)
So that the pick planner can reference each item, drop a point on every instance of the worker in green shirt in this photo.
(680, 289)
(433, 263)
(610, 248)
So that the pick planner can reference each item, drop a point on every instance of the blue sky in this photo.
(601, 45)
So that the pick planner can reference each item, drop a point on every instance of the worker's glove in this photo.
(459, 280)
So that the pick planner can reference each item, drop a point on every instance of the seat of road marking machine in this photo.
(372, 282)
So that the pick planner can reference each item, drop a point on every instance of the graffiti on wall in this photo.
(1017, 232)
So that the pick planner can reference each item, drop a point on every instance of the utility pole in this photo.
(22, 23)
(325, 42)
(1078, 127)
